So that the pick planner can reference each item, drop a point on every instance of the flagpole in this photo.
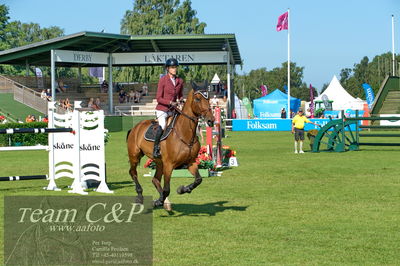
(288, 66)
(393, 59)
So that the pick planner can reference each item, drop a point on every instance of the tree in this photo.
(15, 34)
(371, 72)
(3, 26)
(151, 17)
(248, 84)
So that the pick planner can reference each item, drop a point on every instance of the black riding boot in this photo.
(156, 150)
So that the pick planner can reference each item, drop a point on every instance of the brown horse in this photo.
(181, 146)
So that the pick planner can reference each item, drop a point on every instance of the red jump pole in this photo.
(217, 115)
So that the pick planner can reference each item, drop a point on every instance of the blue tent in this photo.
(270, 105)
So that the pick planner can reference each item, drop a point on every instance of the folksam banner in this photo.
(271, 124)
(369, 94)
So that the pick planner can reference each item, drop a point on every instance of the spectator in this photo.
(199, 130)
(145, 89)
(96, 104)
(43, 95)
(61, 87)
(91, 103)
(48, 93)
(45, 119)
(122, 96)
(283, 113)
(131, 97)
(308, 113)
(214, 102)
(138, 96)
(67, 105)
(104, 86)
(62, 103)
(28, 119)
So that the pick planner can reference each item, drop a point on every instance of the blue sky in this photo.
(326, 36)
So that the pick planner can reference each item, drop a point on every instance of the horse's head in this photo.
(200, 103)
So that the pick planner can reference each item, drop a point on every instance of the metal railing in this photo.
(24, 94)
(133, 111)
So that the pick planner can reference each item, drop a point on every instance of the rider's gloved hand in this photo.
(173, 103)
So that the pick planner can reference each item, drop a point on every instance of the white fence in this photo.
(23, 94)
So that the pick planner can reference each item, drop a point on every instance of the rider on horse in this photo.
(169, 92)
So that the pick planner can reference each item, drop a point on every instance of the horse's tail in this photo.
(127, 135)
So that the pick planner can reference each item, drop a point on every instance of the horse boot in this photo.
(157, 137)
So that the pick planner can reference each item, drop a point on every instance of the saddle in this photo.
(152, 129)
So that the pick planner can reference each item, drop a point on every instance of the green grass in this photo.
(16, 109)
(277, 207)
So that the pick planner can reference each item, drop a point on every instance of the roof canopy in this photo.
(270, 105)
(342, 100)
(39, 53)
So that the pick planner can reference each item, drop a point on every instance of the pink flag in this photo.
(312, 101)
(282, 22)
(264, 90)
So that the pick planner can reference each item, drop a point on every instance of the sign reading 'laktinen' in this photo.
(158, 58)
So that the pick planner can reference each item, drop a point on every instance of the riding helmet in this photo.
(171, 62)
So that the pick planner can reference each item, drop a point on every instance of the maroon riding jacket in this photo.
(167, 92)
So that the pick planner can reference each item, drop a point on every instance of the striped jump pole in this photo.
(26, 177)
(34, 130)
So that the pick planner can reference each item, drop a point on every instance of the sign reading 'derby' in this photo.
(81, 57)
(161, 57)
(62, 230)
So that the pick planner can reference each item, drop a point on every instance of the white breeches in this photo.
(162, 118)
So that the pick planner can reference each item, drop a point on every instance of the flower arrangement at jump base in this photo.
(228, 156)
(204, 159)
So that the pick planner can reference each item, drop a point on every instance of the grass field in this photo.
(277, 207)
(16, 109)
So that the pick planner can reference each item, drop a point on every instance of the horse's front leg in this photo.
(157, 182)
(164, 192)
(194, 170)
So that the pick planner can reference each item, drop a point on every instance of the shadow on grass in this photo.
(210, 209)
(119, 185)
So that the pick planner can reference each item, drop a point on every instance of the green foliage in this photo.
(24, 139)
(366, 71)
(155, 17)
(247, 85)
(15, 33)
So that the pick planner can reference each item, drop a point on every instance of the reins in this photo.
(193, 119)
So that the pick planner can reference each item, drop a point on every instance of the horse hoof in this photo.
(157, 203)
(167, 206)
(139, 200)
(180, 190)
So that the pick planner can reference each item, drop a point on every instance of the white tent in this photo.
(342, 100)
(215, 79)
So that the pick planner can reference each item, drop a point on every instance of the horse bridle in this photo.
(194, 119)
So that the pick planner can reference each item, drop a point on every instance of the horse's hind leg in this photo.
(164, 192)
(134, 161)
(194, 170)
